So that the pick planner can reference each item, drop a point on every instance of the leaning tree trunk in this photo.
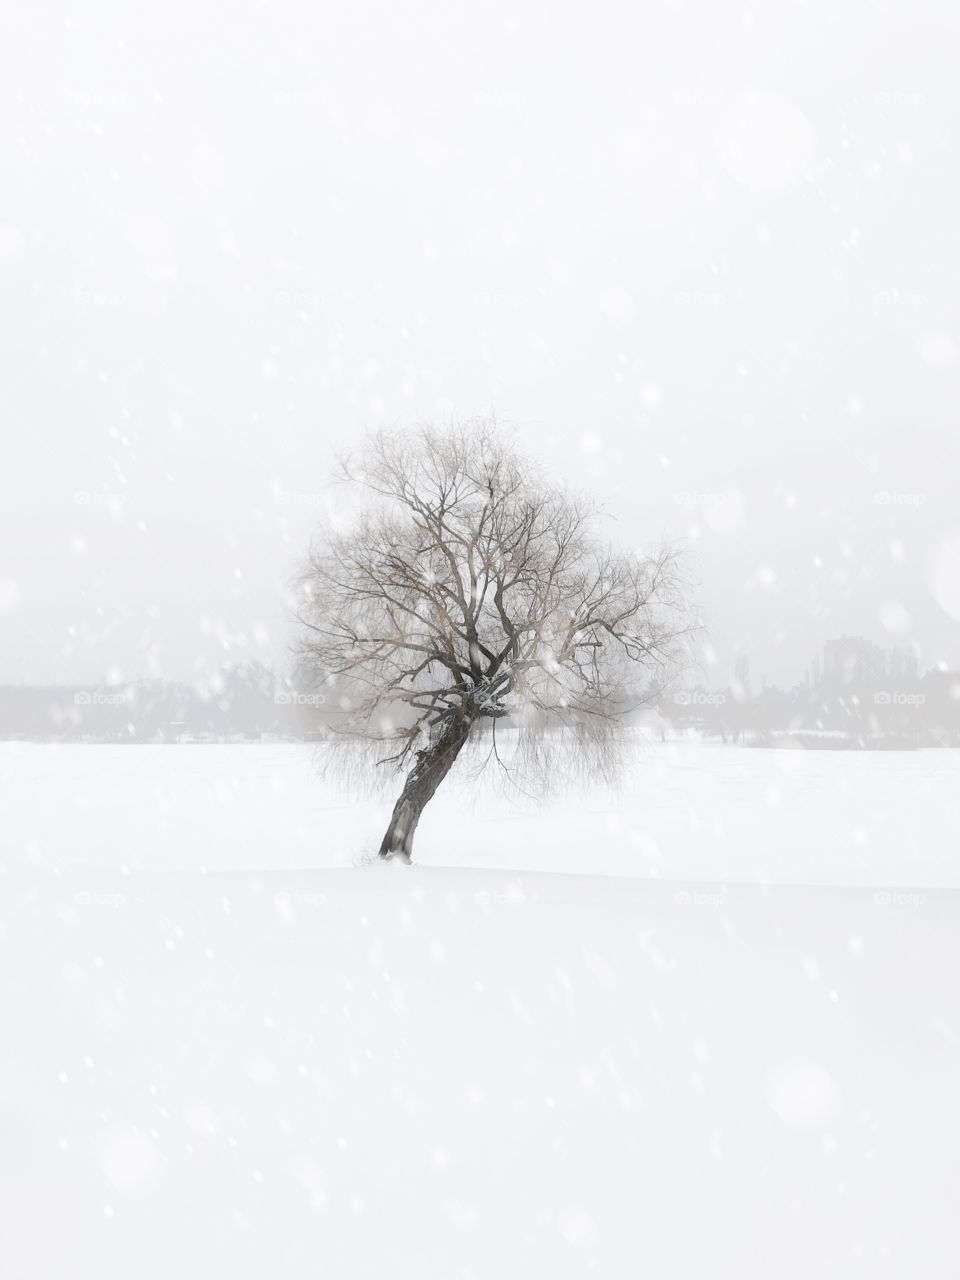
(433, 765)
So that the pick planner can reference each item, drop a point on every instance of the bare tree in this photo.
(470, 591)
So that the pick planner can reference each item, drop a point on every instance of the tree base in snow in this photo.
(396, 853)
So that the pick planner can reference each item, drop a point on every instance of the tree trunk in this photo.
(433, 765)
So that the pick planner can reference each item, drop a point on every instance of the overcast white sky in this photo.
(701, 256)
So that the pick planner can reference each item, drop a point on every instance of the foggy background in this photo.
(700, 257)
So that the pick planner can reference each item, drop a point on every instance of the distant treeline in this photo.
(239, 704)
(251, 703)
(922, 711)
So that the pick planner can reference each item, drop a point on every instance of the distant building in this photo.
(854, 660)
(901, 664)
(741, 673)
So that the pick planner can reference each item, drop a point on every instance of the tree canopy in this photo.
(470, 589)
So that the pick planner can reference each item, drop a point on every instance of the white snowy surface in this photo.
(462, 1071)
(711, 813)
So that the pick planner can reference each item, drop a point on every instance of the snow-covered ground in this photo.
(286, 1064)
(711, 813)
